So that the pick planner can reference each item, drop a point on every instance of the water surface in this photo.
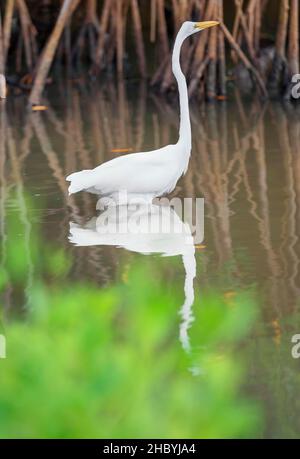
(245, 163)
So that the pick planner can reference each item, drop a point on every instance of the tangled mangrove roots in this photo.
(100, 36)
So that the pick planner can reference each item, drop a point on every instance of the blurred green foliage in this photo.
(107, 363)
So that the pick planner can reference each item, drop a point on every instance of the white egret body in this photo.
(152, 173)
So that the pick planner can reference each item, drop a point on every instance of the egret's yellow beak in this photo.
(205, 24)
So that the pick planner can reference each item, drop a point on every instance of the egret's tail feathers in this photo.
(80, 181)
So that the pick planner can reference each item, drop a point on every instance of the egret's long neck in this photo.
(185, 136)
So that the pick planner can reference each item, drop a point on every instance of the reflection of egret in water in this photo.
(147, 229)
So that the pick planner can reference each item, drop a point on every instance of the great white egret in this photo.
(152, 173)
(147, 229)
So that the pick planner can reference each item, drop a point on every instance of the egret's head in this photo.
(190, 27)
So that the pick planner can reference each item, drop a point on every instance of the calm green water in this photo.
(245, 163)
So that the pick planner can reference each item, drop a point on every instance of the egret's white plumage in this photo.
(154, 172)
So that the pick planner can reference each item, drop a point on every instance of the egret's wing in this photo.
(137, 171)
(154, 156)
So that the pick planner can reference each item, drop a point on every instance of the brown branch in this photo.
(119, 37)
(7, 26)
(212, 65)
(46, 59)
(221, 54)
(293, 48)
(137, 25)
(28, 32)
(282, 28)
(162, 28)
(1, 47)
(244, 59)
(246, 32)
(153, 21)
(103, 29)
